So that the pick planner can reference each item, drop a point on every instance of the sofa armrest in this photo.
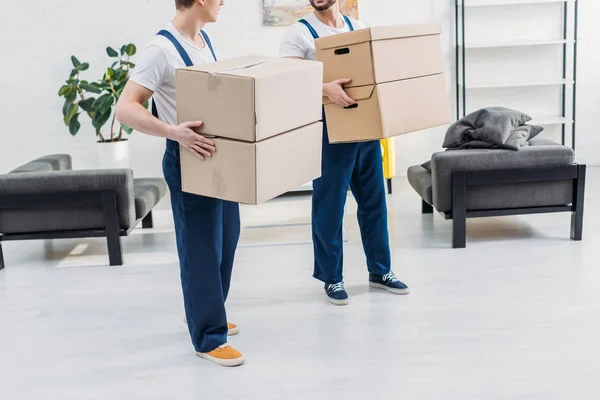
(64, 189)
(53, 162)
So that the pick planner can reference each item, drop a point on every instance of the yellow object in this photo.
(224, 355)
(389, 158)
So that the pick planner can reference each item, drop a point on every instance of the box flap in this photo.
(356, 93)
(255, 67)
(405, 31)
(343, 39)
(236, 63)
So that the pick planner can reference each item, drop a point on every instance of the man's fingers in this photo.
(200, 150)
(193, 124)
(343, 81)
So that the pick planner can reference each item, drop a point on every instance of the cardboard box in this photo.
(382, 54)
(253, 173)
(250, 98)
(389, 109)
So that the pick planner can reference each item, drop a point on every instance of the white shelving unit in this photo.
(494, 3)
(465, 47)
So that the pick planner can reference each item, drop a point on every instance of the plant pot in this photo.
(113, 154)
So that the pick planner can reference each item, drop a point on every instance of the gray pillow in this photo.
(492, 125)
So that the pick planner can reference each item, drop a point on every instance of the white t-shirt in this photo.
(156, 66)
(298, 41)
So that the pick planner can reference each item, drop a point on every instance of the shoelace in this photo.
(390, 277)
(336, 287)
(223, 346)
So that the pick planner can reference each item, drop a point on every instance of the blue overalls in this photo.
(207, 232)
(359, 166)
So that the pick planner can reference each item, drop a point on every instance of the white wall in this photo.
(37, 39)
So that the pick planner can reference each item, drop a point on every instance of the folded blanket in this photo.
(491, 128)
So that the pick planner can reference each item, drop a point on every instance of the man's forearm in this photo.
(136, 116)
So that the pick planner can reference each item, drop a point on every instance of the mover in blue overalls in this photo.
(354, 165)
(207, 229)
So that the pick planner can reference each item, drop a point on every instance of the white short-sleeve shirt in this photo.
(155, 70)
(298, 41)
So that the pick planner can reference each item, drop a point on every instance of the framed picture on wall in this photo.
(287, 12)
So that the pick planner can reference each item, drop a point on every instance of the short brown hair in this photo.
(179, 4)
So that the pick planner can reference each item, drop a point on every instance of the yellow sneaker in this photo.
(224, 355)
(232, 328)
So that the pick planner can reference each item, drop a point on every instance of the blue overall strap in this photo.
(209, 44)
(349, 23)
(310, 28)
(314, 33)
(184, 56)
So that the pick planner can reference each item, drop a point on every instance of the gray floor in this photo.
(515, 315)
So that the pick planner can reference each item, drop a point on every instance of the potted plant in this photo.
(98, 100)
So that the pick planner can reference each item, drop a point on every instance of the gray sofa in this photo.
(46, 199)
(540, 178)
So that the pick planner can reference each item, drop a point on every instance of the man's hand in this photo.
(185, 135)
(336, 93)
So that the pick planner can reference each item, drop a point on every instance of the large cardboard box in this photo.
(250, 98)
(389, 109)
(382, 54)
(253, 173)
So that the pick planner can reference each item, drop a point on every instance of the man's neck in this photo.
(188, 24)
(331, 17)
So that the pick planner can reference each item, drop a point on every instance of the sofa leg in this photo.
(390, 186)
(148, 221)
(426, 208)
(459, 210)
(115, 250)
(112, 227)
(2, 265)
(578, 202)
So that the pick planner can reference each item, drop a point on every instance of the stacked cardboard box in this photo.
(397, 78)
(264, 115)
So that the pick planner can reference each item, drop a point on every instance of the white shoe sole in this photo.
(236, 362)
(338, 302)
(394, 291)
(230, 332)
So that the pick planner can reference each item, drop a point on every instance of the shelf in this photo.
(550, 121)
(494, 3)
(516, 44)
(494, 85)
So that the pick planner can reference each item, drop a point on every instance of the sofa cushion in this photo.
(540, 153)
(420, 179)
(147, 192)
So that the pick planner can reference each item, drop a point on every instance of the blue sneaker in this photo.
(388, 282)
(336, 294)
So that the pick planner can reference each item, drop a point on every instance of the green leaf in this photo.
(65, 108)
(111, 52)
(74, 73)
(82, 67)
(130, 49)
(100, 119)
(114, 64)
(74, 125)
(87, 105)
(107, 104)
(71, 112)
(64, 90)
(127, 129)
(75, 61)
(109, 73)
(146, 104)
(90, 88)
(71, 96)
(98, 103)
